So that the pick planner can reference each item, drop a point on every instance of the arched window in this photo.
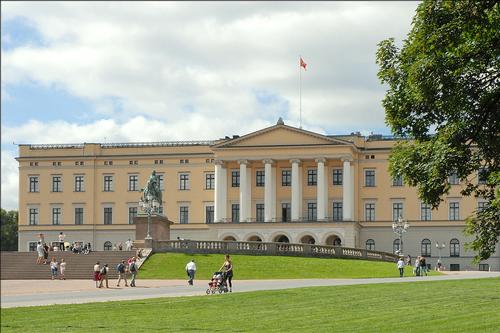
(396, 246)
(229, 239)
(370, 245)
(307, 240)
(107, 246)
(454, 248)
(426, 248)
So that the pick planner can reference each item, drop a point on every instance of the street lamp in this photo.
(440, 247)
(149, 206)
(399, 227)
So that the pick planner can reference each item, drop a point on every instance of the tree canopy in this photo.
(8, 223)
(443, 94)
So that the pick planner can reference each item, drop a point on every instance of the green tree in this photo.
(8, 227)
(443, 93)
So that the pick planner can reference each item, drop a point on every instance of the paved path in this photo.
(15, 293)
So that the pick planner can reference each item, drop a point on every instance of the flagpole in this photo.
(300, 94)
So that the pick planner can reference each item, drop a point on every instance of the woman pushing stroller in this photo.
(227, 269)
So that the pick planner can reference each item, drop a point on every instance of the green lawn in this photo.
(428, 306)
(172, 265)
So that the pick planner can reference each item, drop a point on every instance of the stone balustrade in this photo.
(272, 249)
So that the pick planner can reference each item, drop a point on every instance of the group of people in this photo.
(420, 268)
(57, 269)
(226, 268)
(124, 268)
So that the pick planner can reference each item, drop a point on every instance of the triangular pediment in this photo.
(280, 135)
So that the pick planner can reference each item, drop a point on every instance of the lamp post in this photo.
(440, 247)
(399, 227)
(149, 206)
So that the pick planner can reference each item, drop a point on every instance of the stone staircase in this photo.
(22, 265)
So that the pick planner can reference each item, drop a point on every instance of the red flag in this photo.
(303, 64)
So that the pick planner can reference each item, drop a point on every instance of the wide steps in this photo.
(22, 265)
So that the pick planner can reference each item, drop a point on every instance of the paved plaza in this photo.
(17, 293)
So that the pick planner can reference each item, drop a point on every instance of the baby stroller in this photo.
(218, 283)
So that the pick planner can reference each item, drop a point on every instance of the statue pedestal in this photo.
(159, 228)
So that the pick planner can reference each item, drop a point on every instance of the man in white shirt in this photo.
(129, 244)
(40, 252)
(61, 241)
(401, 266)
(190, 270)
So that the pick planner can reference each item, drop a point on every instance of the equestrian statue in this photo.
(152, 189)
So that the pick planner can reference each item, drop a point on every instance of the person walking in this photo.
(423, 267)
(133, 271)
(129, 244)
(104, 275)
(191, 270)
(45, 253)
(53, 268)
(40, 251)
(61, 240)
(401, 266)
(62, 269)
(97, 269)
(121, 273)
(227, 268)
(417, 266)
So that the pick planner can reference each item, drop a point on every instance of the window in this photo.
(454, 213)
(235, 178)
(33, 216)
(453, 178)
(32, 246)
(209, 181)
(34, 184)
(286, 177)
(312, 177)
(454, 267)
(454, 248)
(132, 213)
(209, 214)
(397, 210)
(286, 211)
(337, 211)
(337, 176)
(108, 183)
(133, 181)
(311, 211)
(370, 244)
(484, 267)
(482, 175)
(369, 178)
(79, 184)
(108, 215)
(397, 181)
(425, 212)
(259, 212)
(235, 212)
(259, 178)
(133, 162)
(481, 205)
(370, 211)
(426, 248)
(107, 246)
(183, 214)
(78, 215)
(184, 181)
(161, 182)
(56, 184)
(396, 246)
(56, 216)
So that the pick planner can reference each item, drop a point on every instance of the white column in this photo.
(269, 192)
(296, 190)
(321, 190)
(347, 190)
(220, 195)
(243, 191)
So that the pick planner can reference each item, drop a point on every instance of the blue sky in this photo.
(96, 71)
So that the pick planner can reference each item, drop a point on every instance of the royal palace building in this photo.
(278, 184)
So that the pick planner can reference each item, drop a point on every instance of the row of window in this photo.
(425, 247)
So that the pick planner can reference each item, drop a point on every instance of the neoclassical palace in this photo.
(278, 184)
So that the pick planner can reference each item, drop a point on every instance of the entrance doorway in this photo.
(286, 212)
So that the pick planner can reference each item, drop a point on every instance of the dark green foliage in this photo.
(444, 93)
(8, 230)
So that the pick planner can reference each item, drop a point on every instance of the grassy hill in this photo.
(172, 266)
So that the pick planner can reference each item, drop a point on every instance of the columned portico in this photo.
(269, 191)
(245, 191)
(220, 195)
(322, 193)
(348, 190)
(296, 190)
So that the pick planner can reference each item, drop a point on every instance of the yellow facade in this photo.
(107, 170)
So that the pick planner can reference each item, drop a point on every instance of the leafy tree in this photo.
(8, 226)
(443, 93)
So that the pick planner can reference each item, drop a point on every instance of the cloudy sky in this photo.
(159, 71)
